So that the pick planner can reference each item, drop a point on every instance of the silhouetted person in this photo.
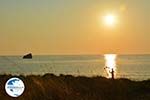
(112, 73)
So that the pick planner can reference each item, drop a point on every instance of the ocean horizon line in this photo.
(142, 54)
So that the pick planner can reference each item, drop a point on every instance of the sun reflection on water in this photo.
(110, 64)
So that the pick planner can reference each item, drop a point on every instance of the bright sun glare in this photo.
(109, 20)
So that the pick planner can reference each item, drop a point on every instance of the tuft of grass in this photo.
(68, 87)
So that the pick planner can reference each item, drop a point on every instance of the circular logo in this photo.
(14, 87)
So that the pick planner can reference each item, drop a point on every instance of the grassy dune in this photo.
(67, 87)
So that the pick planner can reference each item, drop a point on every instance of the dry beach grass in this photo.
(67, 87)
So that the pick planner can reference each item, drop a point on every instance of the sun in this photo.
(109, 20)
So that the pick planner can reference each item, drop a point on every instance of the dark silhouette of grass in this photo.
(67, 87)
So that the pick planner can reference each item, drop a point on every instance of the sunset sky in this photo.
(74, 27)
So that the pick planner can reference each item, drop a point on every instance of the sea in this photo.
(134, 67)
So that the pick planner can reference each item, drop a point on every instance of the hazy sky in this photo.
(73, 27)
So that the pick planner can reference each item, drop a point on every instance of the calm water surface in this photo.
(136, 67)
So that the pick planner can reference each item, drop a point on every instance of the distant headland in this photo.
(28, 56)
